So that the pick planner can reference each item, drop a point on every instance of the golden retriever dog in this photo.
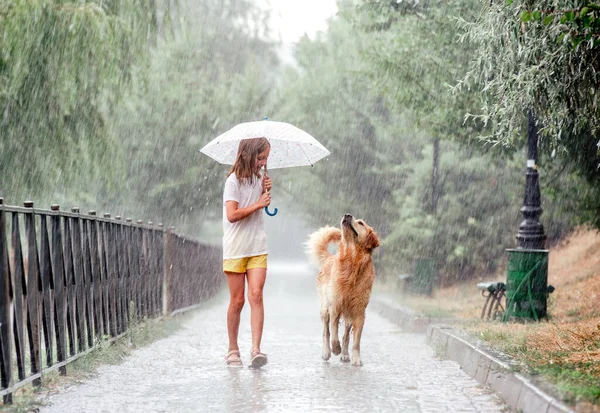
(345, 282)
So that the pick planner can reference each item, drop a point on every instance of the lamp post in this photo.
(527, 271)
(531, 231)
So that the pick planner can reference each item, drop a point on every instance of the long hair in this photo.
(245, 160)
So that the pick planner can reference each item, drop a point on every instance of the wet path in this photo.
(186, 373)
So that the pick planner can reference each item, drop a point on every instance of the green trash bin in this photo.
(424, 276)
(526, 284)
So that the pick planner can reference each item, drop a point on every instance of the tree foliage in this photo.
(97, 104)
(379, 127)
(328, 97)
(413, 57)
(541, 55)
(63, 67)
(217, 73)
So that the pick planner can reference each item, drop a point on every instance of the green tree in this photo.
(220, 71)
(414, 56)
(541, 55)
(382, 151)
(327, 96)
(63, 67)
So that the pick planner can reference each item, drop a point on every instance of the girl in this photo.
(245, 244)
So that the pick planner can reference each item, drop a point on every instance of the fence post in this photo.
(120, 265)
(5, 319)
(79, 280)
(168, 268)
(96, 274)
(103, 238)
(47, 291)
(126, 242)
(33, 294)
(158, 272)
(134, 259)
(111, 279)
(144, 270)
(151, 270)
(139, 291)
(70, 290)
(160, 250)
(87, 281)
(60, 289)
(20, 292)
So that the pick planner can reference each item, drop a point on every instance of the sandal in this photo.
(258, 359)
(232, 359)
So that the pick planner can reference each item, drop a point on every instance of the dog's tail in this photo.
(316, 246)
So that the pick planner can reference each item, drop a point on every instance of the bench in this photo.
(493, 292)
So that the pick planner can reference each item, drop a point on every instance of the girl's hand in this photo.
(265, 200)
(267, 184)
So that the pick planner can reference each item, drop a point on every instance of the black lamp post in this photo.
(531, 232)
(527, 270)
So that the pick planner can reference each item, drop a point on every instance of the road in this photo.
(186, 372)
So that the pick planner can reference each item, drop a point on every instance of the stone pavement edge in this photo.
(486, 365)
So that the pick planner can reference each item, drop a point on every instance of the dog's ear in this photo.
(372, 241)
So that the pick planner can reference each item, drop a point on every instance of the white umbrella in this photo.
(290, 146)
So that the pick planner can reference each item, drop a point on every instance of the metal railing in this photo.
(69, 281)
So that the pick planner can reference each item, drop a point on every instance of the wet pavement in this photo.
(186, 372)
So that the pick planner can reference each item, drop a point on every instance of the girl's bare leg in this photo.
(236, 282)
(256, 283)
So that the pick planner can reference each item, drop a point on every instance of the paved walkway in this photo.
(186, 373)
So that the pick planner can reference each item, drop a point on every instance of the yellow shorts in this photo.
(240, 265)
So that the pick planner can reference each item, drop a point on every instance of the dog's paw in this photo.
(345, 358)
(357, 362)
(326, 355)
(336, 348)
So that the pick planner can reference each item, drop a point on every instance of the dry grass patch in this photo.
(564, 350)
(566, 354)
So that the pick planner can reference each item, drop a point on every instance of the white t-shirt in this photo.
(246, 237)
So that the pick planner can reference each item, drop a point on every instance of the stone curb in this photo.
(475, 359)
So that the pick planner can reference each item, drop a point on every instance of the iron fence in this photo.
(69, 281)
(186, 291)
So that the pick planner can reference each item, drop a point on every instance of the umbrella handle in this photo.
(269, 213)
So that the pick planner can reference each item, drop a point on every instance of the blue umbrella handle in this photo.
(269, 213)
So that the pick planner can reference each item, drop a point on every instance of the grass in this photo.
(563, 350)
(564, 354)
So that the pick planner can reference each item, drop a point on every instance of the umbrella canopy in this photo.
(290, 146)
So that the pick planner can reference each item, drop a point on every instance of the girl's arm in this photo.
(235, 214)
